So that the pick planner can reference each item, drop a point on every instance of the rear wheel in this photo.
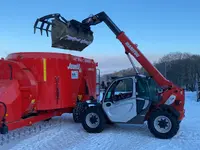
(93, 120)
(163, 125)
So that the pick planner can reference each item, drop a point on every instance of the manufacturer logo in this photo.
(132, 49)
(87, 60)
(74, 66)
(90, 69)
(75, 39)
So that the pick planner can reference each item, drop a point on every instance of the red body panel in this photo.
(43, 83)
(170, 88)
(11, 96)
(31, 120)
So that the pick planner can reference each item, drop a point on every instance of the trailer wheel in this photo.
(77, 112)
(93, 120)
(76, 117)
(163, 125)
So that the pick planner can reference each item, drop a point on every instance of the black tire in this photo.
(172, 129)
(76, 117)
(46, 120)
(98, 113)
(109, 122)
(77, 112)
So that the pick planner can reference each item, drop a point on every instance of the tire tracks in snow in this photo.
(61, 136)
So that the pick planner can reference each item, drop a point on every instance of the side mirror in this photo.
(159, 90)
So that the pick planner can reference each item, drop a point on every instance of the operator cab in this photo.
(127, 99)
(123, 87)
(126, 87)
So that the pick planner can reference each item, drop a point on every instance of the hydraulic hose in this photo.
(5, 111)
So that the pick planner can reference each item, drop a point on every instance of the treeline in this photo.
(180, 68)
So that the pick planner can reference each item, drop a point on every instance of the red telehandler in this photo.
(131, 99)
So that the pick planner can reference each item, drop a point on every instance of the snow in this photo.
(61, 133)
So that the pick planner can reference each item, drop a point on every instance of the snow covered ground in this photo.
(61, 133)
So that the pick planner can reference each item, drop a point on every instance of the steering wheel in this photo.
(121, 96)
(117, 97)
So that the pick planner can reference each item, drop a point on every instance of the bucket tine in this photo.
(47, 29)
(35, 25)
(44, 20)
(41, 27)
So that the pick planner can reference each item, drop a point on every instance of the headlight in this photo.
(170, 100)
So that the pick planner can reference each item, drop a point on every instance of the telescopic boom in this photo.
(130, 47)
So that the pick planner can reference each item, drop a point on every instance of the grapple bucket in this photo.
(69, 35)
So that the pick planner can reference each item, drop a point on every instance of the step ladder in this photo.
(98, 85)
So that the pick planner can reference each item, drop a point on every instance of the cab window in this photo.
(142, 88)
(120, 89)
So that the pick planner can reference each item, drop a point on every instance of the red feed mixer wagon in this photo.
(36, 86)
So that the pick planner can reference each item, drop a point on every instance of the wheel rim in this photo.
(92, 120)
(162, 124)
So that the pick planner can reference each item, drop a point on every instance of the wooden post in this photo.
(197, 88)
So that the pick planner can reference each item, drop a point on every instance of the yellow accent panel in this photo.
(80, 97)
(45, 69)
(33, 101)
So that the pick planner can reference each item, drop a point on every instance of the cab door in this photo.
(119, 102)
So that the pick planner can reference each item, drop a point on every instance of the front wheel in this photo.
(163, 125)
(93, 120)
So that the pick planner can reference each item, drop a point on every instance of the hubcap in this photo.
(92, 120)
(162, 124)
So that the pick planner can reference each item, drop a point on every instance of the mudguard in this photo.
(170, 109)
(90, 103)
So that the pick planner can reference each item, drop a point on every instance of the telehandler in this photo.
(130, 100)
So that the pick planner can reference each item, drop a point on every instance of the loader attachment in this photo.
(69, 35)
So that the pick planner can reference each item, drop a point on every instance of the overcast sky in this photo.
(158, 27)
